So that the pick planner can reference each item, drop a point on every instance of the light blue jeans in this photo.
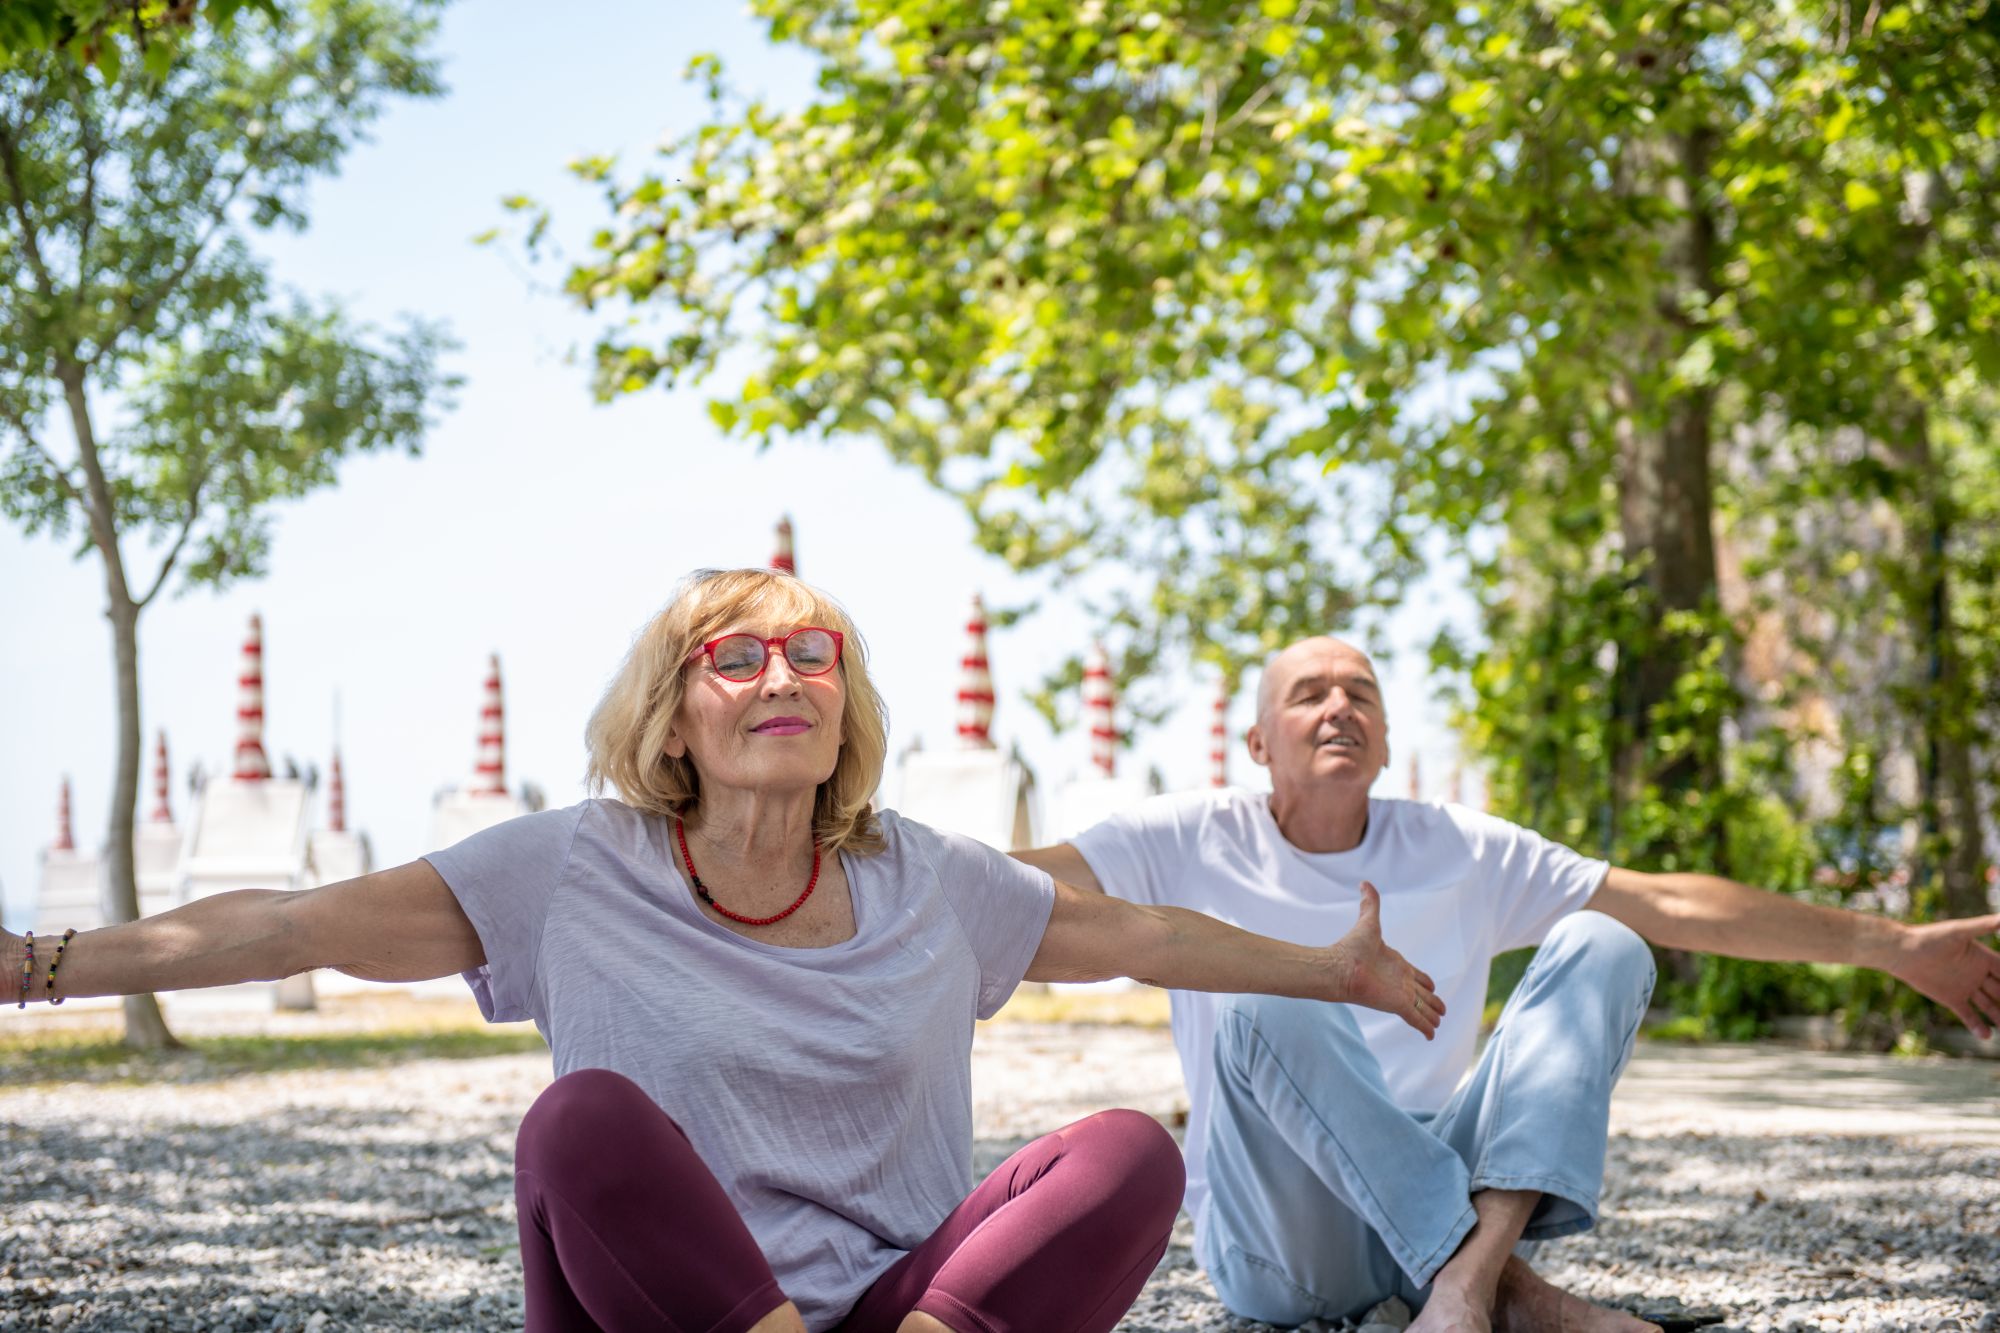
(1326, 1198)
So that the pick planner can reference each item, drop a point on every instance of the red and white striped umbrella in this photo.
(1099, 708)
(1218, 738)
(65, 840)
(491, 773)
(975, 684)
(251, 763)
(784, 558)
(336, 798)
(163, 810)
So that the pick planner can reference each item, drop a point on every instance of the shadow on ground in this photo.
(99, 1059)
(375, 1219)
(1761, 1077)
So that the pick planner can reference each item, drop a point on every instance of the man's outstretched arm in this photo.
(1065, 865)
(1950, 961)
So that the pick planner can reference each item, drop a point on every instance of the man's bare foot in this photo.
(1528, 1304)
(1450, 1310)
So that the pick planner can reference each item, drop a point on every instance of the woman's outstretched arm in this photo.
(394, 925)
(1094, 937)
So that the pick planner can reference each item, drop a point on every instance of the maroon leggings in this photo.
(623, 1227)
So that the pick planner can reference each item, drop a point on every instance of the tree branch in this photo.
(180, 540)
(56, 470)
(93, 149)
(143, 308)
(103, 509)
(173, 554)
(10, 164)
(1258, 98)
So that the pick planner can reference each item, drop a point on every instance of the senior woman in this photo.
(759, 995)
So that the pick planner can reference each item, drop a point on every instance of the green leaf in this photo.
(1470, 99)
(1132, 289)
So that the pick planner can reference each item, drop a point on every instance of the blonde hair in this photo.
(627, 734)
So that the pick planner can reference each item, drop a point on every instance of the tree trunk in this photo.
(1964, 867)
(1666, 503)
(145, 1026)
(1954, 861)
(1666, 518)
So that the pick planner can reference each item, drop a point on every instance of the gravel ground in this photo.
(1776, 1189)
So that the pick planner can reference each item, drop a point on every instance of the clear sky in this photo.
(537, 524)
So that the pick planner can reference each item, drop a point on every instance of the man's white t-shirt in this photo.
(1457, 888)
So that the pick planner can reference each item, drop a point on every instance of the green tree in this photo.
(1868, 310)
(193, 393)
(1513, 277)
(1091, 268)
(104, 33)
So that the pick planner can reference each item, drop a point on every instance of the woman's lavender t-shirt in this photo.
(829, 1090)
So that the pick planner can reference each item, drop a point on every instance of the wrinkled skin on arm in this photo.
(1093, 937)
(1951, 962)
(401, 924)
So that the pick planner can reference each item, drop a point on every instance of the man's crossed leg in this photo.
(1326, 1197)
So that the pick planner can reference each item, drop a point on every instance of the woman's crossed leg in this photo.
(623, 1226)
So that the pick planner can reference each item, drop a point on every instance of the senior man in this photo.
(1336, 1159)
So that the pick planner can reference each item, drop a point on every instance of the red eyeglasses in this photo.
(810, 651)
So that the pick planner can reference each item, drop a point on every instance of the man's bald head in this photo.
(1288, 662)
(1320, 726)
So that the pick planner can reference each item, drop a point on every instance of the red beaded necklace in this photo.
(701, 890)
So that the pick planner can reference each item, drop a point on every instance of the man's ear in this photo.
(1255, 740)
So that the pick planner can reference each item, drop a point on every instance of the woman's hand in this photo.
(1375, 976)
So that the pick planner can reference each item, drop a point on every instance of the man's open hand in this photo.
(1952, 963)
(1377, 977)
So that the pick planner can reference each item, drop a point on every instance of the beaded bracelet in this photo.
(27, 967)
(49, 987)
